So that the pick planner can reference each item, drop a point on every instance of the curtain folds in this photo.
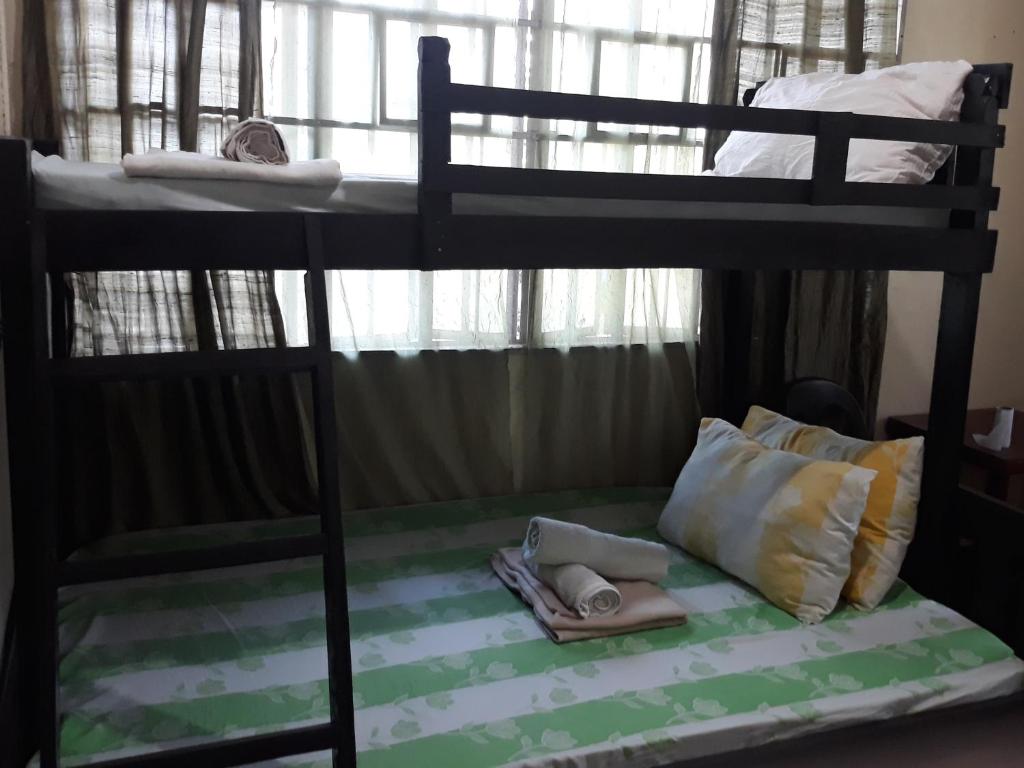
(171, 74)
(761, 330)
(473, 423)
(598, 389)
(322, 83)
(417, 428)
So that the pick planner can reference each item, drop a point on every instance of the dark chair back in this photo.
(825, 404)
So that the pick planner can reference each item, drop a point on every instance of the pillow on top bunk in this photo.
(927, 90)
(782, 522)
(891, 513)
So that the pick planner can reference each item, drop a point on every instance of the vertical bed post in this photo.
(951, 379)
(339, 653)
(435, 145)
(43, 507)
(16, 310)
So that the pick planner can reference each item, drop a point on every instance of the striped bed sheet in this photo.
(450, 669)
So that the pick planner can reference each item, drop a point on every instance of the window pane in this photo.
(351, 53)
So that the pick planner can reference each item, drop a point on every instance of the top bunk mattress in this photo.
(62, 184)
(450, 669)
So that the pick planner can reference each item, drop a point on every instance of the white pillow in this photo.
(782, 522)
(929, 90)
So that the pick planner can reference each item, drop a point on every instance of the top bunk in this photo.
(455, 216)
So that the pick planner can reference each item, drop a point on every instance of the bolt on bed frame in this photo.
(47, 244)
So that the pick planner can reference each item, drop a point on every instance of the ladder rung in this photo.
(243, 750)
(176, 364)
(223, 556)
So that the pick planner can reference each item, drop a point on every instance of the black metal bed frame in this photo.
(43, 245)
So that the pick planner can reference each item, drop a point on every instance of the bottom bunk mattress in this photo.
(450, 668)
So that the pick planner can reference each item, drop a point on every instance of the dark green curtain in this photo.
(152, 454)
(411, 428)
(760, 330)
(173, 452)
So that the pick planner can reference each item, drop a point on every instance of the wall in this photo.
(983, 31)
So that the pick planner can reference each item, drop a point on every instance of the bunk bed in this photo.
(825, 222)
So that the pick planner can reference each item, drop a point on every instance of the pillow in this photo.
(782, 522)
(930, 90)
(888, 523)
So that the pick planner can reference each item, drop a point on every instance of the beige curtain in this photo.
(135, 74)
(464, 424)
(10, 67)
(430, 425)
(760, 330)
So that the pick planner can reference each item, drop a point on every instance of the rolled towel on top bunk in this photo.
(579, 587)
(158, 163)
(553, 542)
(255, 141)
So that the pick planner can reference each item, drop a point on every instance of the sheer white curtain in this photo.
(340, 77)
(120, 67)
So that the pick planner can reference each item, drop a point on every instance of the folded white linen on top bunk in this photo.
(67, 184)
(256, 141)
(159, 163)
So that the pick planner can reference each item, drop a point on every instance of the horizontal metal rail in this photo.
(157, 563)
(551, 242)
(242, 750)
(226, 362)
(391, 241)
(480, 99)
(632, 186)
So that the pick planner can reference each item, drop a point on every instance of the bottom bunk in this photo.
(451, 669)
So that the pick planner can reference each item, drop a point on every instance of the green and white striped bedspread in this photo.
(450, 668)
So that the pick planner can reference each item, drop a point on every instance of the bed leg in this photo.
(935, 549)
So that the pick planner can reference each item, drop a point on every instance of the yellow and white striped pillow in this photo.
(891, 514)
(782, 522)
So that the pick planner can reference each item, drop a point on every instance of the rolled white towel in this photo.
(553, 542)
(255, 141)
(579, 588)
(158, 163)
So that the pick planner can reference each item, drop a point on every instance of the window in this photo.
(340, 78)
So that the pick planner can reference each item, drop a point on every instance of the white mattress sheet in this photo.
(62, 184)
(450, 669)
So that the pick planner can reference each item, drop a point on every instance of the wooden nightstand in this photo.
(1000, 466)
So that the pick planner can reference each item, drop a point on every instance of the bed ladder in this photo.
(52, 370)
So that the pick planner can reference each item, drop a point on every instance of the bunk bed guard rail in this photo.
(443, 236)
(963, 250)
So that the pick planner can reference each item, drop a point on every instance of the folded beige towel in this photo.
(579, 588)
(644, 605)
(255, 141)
(553, 542)
(158, 163)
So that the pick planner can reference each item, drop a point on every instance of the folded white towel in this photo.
(255, 141)
(579, 588)
(644, 605)
(553, 542)
(192, 165)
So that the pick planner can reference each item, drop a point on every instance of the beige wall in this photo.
(982, 31)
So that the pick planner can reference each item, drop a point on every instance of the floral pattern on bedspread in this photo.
(450, 668)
